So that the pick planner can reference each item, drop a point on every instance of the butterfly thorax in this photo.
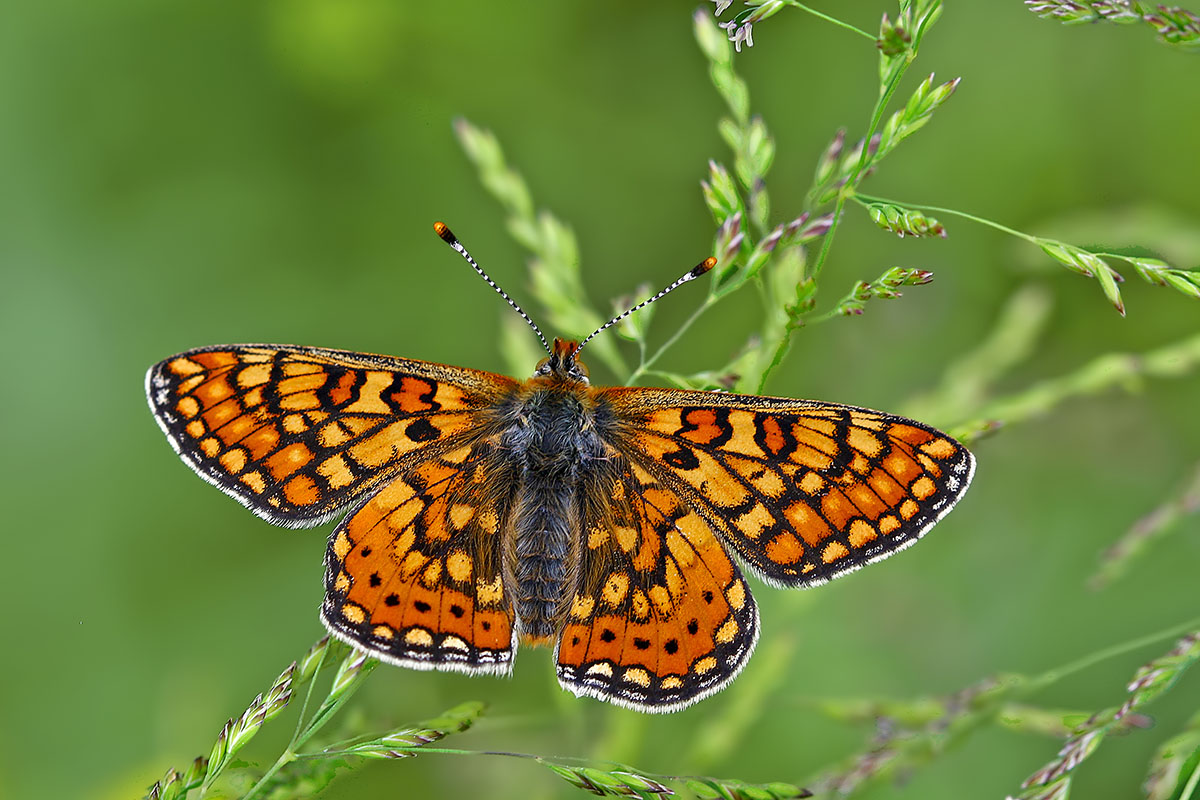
(552, 445)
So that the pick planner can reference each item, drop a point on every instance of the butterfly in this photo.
(608, 523)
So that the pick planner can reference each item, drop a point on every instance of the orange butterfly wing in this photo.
(413, 576)
(297, 434)
(804, 491)
(663, 617)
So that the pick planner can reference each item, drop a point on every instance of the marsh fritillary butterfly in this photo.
(485, 510)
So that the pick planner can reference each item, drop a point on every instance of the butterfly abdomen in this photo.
(552, 444)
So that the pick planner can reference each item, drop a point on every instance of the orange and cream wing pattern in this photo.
(663, 617)
(413, 575)
(803, 491)
(297, 434)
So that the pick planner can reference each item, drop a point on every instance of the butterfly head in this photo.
(562, 363)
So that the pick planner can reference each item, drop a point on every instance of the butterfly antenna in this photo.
(691, 275)
(450, 239)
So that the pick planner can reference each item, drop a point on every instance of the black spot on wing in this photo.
(681, 459)
(422, 430)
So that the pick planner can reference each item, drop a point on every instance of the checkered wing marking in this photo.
(804, 491)
(663, 617)
(413, 575)
(297, 434)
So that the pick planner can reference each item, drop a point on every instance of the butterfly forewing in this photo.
(804, 491)
(297, 434)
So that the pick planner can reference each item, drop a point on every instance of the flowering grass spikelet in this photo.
(1150, 681)
(904, 221)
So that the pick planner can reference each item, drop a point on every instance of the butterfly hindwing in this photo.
(663, 617)
(297, 434)
(413, 576)
(804, 491)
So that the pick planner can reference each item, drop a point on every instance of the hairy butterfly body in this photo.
(486, 511)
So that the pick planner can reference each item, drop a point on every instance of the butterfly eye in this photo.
(543, 367)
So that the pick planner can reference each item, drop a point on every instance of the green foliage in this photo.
(624, 782)
(611, 783)
(1053, 781)
(1090, 263)
(1175, 770)
(886, 287)
(912, 733)
(904, 221)
(237, 733)
(403, 743)
(1102, 373)
(1175, 26)
(297, 772)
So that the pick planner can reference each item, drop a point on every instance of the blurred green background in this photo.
(178, 175)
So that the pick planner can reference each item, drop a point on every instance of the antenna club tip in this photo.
(703, 267)
(441, 230)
